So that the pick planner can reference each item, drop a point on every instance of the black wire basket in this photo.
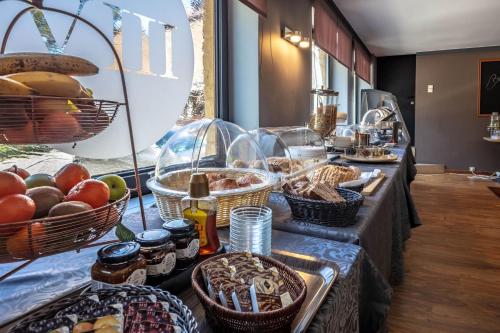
(331, 214)
(185, 318)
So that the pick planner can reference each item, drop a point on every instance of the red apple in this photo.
(69, 176)
(18, 171)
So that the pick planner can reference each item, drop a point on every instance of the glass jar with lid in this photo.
(323, 117)
(187, 241)
(159, 251)
(119, 263)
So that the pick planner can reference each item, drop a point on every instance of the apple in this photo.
(18, 171)
(117, 186)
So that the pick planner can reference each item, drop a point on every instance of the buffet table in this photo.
(382, 224)
(358, 301)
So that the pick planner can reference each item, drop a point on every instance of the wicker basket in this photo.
(169, 191)
(51, 235)
(227, 320)
(326, 213)
(48, 120)
(186, 319)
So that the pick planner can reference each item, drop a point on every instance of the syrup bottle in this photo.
(201, 208)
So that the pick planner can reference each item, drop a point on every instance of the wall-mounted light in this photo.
(295, 37)
(304, 43)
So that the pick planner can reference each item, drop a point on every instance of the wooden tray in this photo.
(380, 159)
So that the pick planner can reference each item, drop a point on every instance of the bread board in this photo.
(373, 186)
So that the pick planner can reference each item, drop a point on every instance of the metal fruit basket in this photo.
(50, 120)
(32, 239)
(169, 190)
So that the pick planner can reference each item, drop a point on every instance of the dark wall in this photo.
(397, 75)
(448, 131)
(285, 73)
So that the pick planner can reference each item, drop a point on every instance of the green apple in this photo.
(39, 179)
(117, 186)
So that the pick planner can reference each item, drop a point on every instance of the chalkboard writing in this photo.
(488, 86)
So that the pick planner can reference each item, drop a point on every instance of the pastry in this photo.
(239, 164)
(223, 184)
(248, 180)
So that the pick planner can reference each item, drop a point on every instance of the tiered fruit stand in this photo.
(69, 232)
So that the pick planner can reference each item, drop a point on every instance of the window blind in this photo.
(325, 28)
(344, 47)
(363, 63)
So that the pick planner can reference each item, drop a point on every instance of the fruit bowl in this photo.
(50, 120)
(45, 236)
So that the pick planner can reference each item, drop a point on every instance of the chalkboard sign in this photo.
(488, 87)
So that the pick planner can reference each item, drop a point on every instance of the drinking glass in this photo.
(250, 229)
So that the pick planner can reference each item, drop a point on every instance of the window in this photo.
(320, 68)
(201, 103)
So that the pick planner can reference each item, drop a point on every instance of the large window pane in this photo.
(340, 83)
(201, 102)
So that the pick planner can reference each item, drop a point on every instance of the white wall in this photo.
(243, 43)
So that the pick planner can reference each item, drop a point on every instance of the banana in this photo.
(12, 87)
(31, 62)
(49, 84)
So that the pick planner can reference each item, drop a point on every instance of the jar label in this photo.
(189, 252)
(165, 267)
(138, 277)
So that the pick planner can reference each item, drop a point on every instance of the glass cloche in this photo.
(221, 149)
(236, 168)
(306, 147)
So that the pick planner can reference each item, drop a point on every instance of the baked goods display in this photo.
(303, 187)
(112, 312)
(275, 165)
(321, 185)
(41, 101)
(240, 282)
(220, 181)
(335, 174)
(284, 165)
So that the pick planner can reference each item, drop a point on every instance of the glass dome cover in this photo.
(303, 144)
(276, 152)
(220, 149)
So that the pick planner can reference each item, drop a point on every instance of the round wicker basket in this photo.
(185, 317)
(169, 191)
(49, 120)
(51, 235)
(227, 320)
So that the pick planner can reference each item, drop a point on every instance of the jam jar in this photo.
(187, 241)
(159, 251)
(119, 263)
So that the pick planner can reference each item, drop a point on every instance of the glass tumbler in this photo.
(250, 229)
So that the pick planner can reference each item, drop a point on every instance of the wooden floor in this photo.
(452, 281)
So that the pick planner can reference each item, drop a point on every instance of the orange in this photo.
(15, 208)
(91, 191)
(19, 245)
(11, 183)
